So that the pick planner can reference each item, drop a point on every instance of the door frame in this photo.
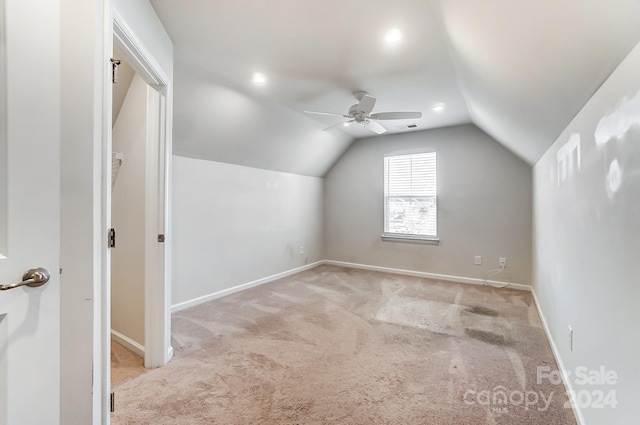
(158, 350)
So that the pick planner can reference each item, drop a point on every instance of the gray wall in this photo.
(234, 224)
(484, 206)
(586, 243)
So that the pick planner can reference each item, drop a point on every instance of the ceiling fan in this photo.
(361, 113)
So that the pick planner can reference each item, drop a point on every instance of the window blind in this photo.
(410, 195)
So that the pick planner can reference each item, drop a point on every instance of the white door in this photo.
(30, 173)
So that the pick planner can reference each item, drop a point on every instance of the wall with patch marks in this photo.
(586, 265)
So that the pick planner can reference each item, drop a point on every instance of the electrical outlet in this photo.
(502, 261)
(478, 260)
(301, 250)
(570, 338)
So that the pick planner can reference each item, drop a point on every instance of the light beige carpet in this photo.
(342, 346)
(125, 364)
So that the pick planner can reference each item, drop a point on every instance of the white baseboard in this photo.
(577, 412)
(200, 300)
(205, 298)
(169, 353)
(459, 279)
(127, 343)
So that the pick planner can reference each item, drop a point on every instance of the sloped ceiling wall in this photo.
(519, 70)
(527, 67)
(217, 121)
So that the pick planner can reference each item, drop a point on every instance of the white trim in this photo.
(205, 298)
(3, 139)
(3, 364)
(127, 343)
(577, 411)
(135, 54)
(153, 265)
(390, 237)
(164, 222)
(102, 283)
(449, 278)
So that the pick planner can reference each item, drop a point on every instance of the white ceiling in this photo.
(520, 70)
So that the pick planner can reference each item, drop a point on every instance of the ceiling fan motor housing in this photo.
(356, 114)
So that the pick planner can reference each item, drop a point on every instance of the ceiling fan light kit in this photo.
(361, 113)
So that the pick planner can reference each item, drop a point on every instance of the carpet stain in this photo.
(486, 336)
(483, 311)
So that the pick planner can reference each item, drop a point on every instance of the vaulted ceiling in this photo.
(520, 70)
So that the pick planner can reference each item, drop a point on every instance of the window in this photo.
(410, 204)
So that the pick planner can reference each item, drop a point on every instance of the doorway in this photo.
(136, 199)
(157, 285)
(129, 163)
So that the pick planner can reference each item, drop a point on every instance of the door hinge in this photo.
(161, 238)
(112, 238)
(114, 70)
(113, 402)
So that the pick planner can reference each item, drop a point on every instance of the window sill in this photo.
(411, 239)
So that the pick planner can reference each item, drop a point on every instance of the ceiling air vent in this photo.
(406, 127)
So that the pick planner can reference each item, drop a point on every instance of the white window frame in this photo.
(389, 235)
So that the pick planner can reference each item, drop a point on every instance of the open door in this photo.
(29, 217)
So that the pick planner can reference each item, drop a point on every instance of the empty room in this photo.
(298, 212)
(365, 195)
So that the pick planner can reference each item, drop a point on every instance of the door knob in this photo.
(32, 278)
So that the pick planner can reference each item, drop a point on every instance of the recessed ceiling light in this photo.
(393, 36)
(259, 79)
(438, 107)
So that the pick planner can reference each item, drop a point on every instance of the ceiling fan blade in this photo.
(395, 115)
(366, 104)
(331, 127)
(327, 113)
(376, 127)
